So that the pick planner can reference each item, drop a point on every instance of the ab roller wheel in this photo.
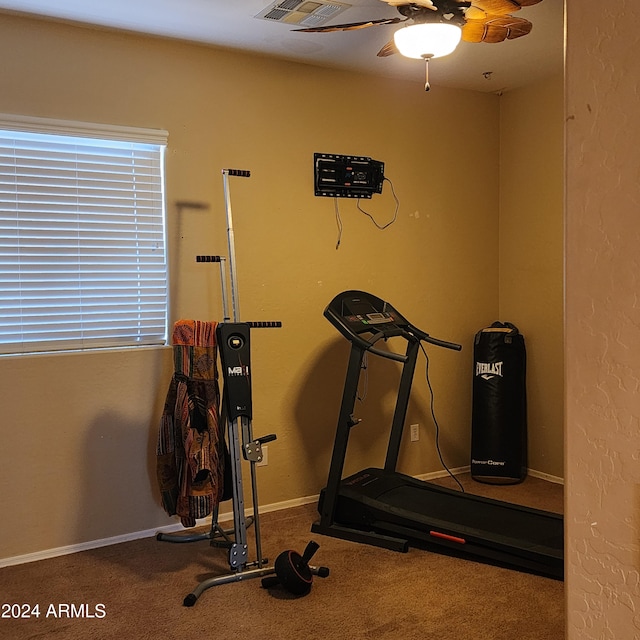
(293, 572)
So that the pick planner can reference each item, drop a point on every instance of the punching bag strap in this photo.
(509, 330)
(513, 331)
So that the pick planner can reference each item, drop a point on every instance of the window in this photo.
(82, 239)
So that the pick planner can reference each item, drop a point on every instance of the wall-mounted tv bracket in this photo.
(340, 176)
(233, 339)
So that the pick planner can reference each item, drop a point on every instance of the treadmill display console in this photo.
(356, 312)
(371, 318)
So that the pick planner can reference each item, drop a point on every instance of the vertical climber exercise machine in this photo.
(235, 355)
(233, 338)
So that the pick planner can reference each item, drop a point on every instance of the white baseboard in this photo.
(147, 533)
(433, 475)
(546, 476)
(223, 517)
(458, 470)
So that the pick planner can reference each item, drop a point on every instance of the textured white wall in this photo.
(603, 319)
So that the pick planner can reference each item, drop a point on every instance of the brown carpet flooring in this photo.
(136, 590)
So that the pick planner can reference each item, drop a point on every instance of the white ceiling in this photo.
(231, 23)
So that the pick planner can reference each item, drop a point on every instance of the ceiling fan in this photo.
(437, 26)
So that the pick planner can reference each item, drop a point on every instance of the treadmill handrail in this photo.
(425, 337)
(412, 335)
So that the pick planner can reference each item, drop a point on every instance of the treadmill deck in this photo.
(374, 500)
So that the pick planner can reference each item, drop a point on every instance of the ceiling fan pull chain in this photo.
(427, 57)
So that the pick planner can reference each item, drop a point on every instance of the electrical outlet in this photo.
(265, 457)
(415, 432)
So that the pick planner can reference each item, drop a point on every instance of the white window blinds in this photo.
(82, 238)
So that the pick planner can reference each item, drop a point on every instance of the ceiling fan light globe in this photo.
(427, 40)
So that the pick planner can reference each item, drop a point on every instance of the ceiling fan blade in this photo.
(427, 4)
(500, 7)
(495, 29)
(351, 26)
(388, 50)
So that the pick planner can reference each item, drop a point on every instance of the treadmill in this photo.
(389, 509)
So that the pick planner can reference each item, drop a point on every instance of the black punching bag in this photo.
(499, 414)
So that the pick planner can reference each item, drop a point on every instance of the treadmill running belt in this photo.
(400, 504)
(495, 521)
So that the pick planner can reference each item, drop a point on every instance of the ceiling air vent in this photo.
(306, 13)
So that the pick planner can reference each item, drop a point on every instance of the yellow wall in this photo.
(531, 254)
(78, 430)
